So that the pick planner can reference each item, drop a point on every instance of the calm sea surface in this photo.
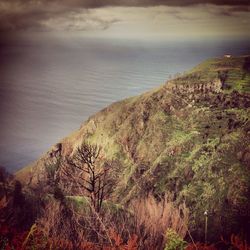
(49, 87)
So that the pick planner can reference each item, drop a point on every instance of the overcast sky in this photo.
(129, 18)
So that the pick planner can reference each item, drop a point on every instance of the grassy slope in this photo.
(183, 138)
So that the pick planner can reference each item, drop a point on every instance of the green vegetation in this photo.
(174, 241)
(189, 137)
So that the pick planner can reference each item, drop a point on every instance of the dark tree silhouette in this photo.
(246, 65)
(5, 177)
(18, 196)
(90, 172)
(223, 75)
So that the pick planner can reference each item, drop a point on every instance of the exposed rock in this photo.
(56, 150)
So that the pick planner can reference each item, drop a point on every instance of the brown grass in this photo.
(153, 218)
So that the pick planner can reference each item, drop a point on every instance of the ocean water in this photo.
(48, 88)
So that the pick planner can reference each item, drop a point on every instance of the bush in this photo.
(174, 241)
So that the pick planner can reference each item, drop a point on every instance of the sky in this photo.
(159, 19)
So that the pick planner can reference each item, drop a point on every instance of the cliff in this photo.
(189, 137)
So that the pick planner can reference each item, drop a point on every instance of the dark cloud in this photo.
(228, 11)
(235, 10)
(102, 3)
(31, 14)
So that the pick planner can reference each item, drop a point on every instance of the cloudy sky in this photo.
(128, 18)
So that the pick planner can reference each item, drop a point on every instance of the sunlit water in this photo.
(49, 87)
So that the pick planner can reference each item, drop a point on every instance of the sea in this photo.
(50, 86)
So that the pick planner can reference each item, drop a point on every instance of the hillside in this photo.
(189, 137)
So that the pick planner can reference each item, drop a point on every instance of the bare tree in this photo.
(85, 173)
(90, 172)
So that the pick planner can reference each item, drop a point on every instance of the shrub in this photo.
(174, 241)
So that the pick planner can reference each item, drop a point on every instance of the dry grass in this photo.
(60, 220)
(153, 218)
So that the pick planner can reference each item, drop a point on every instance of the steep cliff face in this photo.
(189, 137)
